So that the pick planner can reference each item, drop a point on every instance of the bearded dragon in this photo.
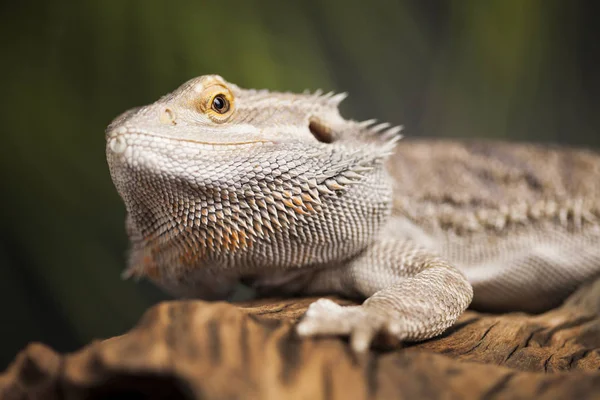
(225, 185)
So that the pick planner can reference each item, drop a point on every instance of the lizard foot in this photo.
(361, 323)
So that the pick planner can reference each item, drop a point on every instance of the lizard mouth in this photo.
(119, 140)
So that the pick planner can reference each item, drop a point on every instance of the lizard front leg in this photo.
(411, 294)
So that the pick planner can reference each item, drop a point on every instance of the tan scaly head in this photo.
(215, 176)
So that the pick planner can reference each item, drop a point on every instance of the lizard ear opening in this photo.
(320, 131)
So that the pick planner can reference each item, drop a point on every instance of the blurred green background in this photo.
(516, 69)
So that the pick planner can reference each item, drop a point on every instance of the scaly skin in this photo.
(223, 184)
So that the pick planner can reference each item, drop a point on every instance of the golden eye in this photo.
(220, 104)
(216, 102)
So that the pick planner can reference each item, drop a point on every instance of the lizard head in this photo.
(216, 174)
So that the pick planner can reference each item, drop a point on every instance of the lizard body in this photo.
(224, 184)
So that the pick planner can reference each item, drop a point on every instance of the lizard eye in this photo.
(220, 104)
(216, 102)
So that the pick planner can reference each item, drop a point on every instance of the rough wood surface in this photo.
(194, 349)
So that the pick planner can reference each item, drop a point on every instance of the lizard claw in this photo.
(324, 317)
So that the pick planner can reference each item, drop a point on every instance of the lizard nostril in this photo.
(117, 144)
(168, 117)
(320, 131)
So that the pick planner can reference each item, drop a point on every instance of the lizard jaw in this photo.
(119, 139)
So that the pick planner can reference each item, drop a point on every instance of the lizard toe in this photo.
(326, 318)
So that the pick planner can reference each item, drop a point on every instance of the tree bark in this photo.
(195, 349)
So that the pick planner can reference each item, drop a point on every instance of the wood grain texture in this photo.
(195, 349)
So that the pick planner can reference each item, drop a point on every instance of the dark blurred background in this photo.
(510, 69)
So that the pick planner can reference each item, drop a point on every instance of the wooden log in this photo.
(195, 349)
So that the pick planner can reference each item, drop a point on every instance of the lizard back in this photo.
(520, 220)
(493, 185)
